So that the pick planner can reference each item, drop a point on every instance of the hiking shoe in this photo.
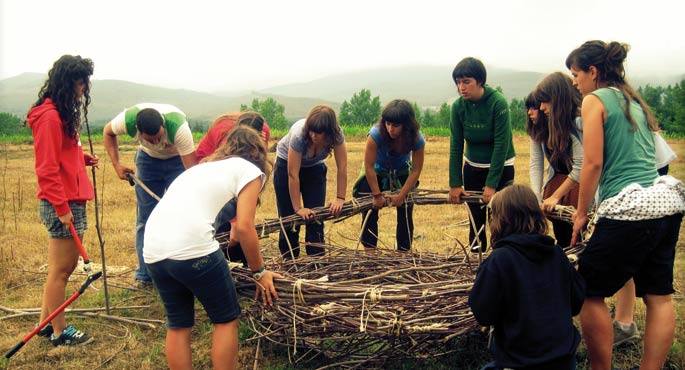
(70, 336)
(622, 336)
(46, 331)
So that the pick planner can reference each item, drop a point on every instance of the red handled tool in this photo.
(27, 337)
(81, 249)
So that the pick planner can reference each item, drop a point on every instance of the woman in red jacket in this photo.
(63, 185)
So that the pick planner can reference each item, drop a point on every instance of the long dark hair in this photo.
(608, 59)
(536, 130)
(322, 119)
(60, 88)
(400, 111)
(515, 210)
(557, 89)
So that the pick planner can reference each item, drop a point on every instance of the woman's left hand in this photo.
(91, 160)
(488, 192)
(549, 204)
(336, 206)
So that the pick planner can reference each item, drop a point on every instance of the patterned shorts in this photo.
(56, 229)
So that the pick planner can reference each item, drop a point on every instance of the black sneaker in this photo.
(70, 337)
(47, 331)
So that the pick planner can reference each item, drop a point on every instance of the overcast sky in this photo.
(252, 44)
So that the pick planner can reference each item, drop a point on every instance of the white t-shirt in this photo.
(178, 139)
(181, 225)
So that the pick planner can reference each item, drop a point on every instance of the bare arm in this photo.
(294, 163)
(109, 140)
(246, 233)
(340, 154)
(593, 147)
(417, 165)
(189, 160)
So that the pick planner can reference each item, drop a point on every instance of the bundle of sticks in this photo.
(364, 203)
(358, 307)
(353, 207)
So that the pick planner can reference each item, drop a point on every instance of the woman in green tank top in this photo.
(639, 214)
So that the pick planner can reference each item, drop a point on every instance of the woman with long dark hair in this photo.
(639, 213)
(393, 159)
(300, 176)
(63, 185)
(560, 143)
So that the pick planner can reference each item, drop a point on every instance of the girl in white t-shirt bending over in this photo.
(183, 257)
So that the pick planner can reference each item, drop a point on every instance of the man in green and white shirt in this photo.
(166, 150)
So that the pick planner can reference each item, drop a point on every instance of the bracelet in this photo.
(341, 198)
(258, 274)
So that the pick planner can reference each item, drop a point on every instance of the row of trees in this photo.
(668, 104)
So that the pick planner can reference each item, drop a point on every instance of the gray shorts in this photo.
(56, 228)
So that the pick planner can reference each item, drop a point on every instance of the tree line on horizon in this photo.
(363, 109)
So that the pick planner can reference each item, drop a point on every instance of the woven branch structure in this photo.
(356, 308)
(359, 307)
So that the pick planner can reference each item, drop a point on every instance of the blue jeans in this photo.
(156, 174)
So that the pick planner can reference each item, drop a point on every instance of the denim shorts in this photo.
(207, 278)
(56, 228)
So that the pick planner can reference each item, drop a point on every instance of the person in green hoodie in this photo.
(479, 118)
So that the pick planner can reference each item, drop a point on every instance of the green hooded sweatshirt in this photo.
(484, 126)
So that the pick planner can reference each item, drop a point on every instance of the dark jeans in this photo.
(313, 190)
(156, 174)
(474, 180)
(404, 230)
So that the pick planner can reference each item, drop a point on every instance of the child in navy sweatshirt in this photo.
(526, 288)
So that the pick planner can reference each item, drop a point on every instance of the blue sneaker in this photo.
(70, 336)
(46, 331)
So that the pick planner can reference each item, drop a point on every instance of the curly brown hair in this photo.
(60, 87)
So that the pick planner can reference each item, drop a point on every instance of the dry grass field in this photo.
(118, 345)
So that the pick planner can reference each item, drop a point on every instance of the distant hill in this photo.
(426, 85)
(109, 97)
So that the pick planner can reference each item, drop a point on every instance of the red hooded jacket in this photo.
(60, 164)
